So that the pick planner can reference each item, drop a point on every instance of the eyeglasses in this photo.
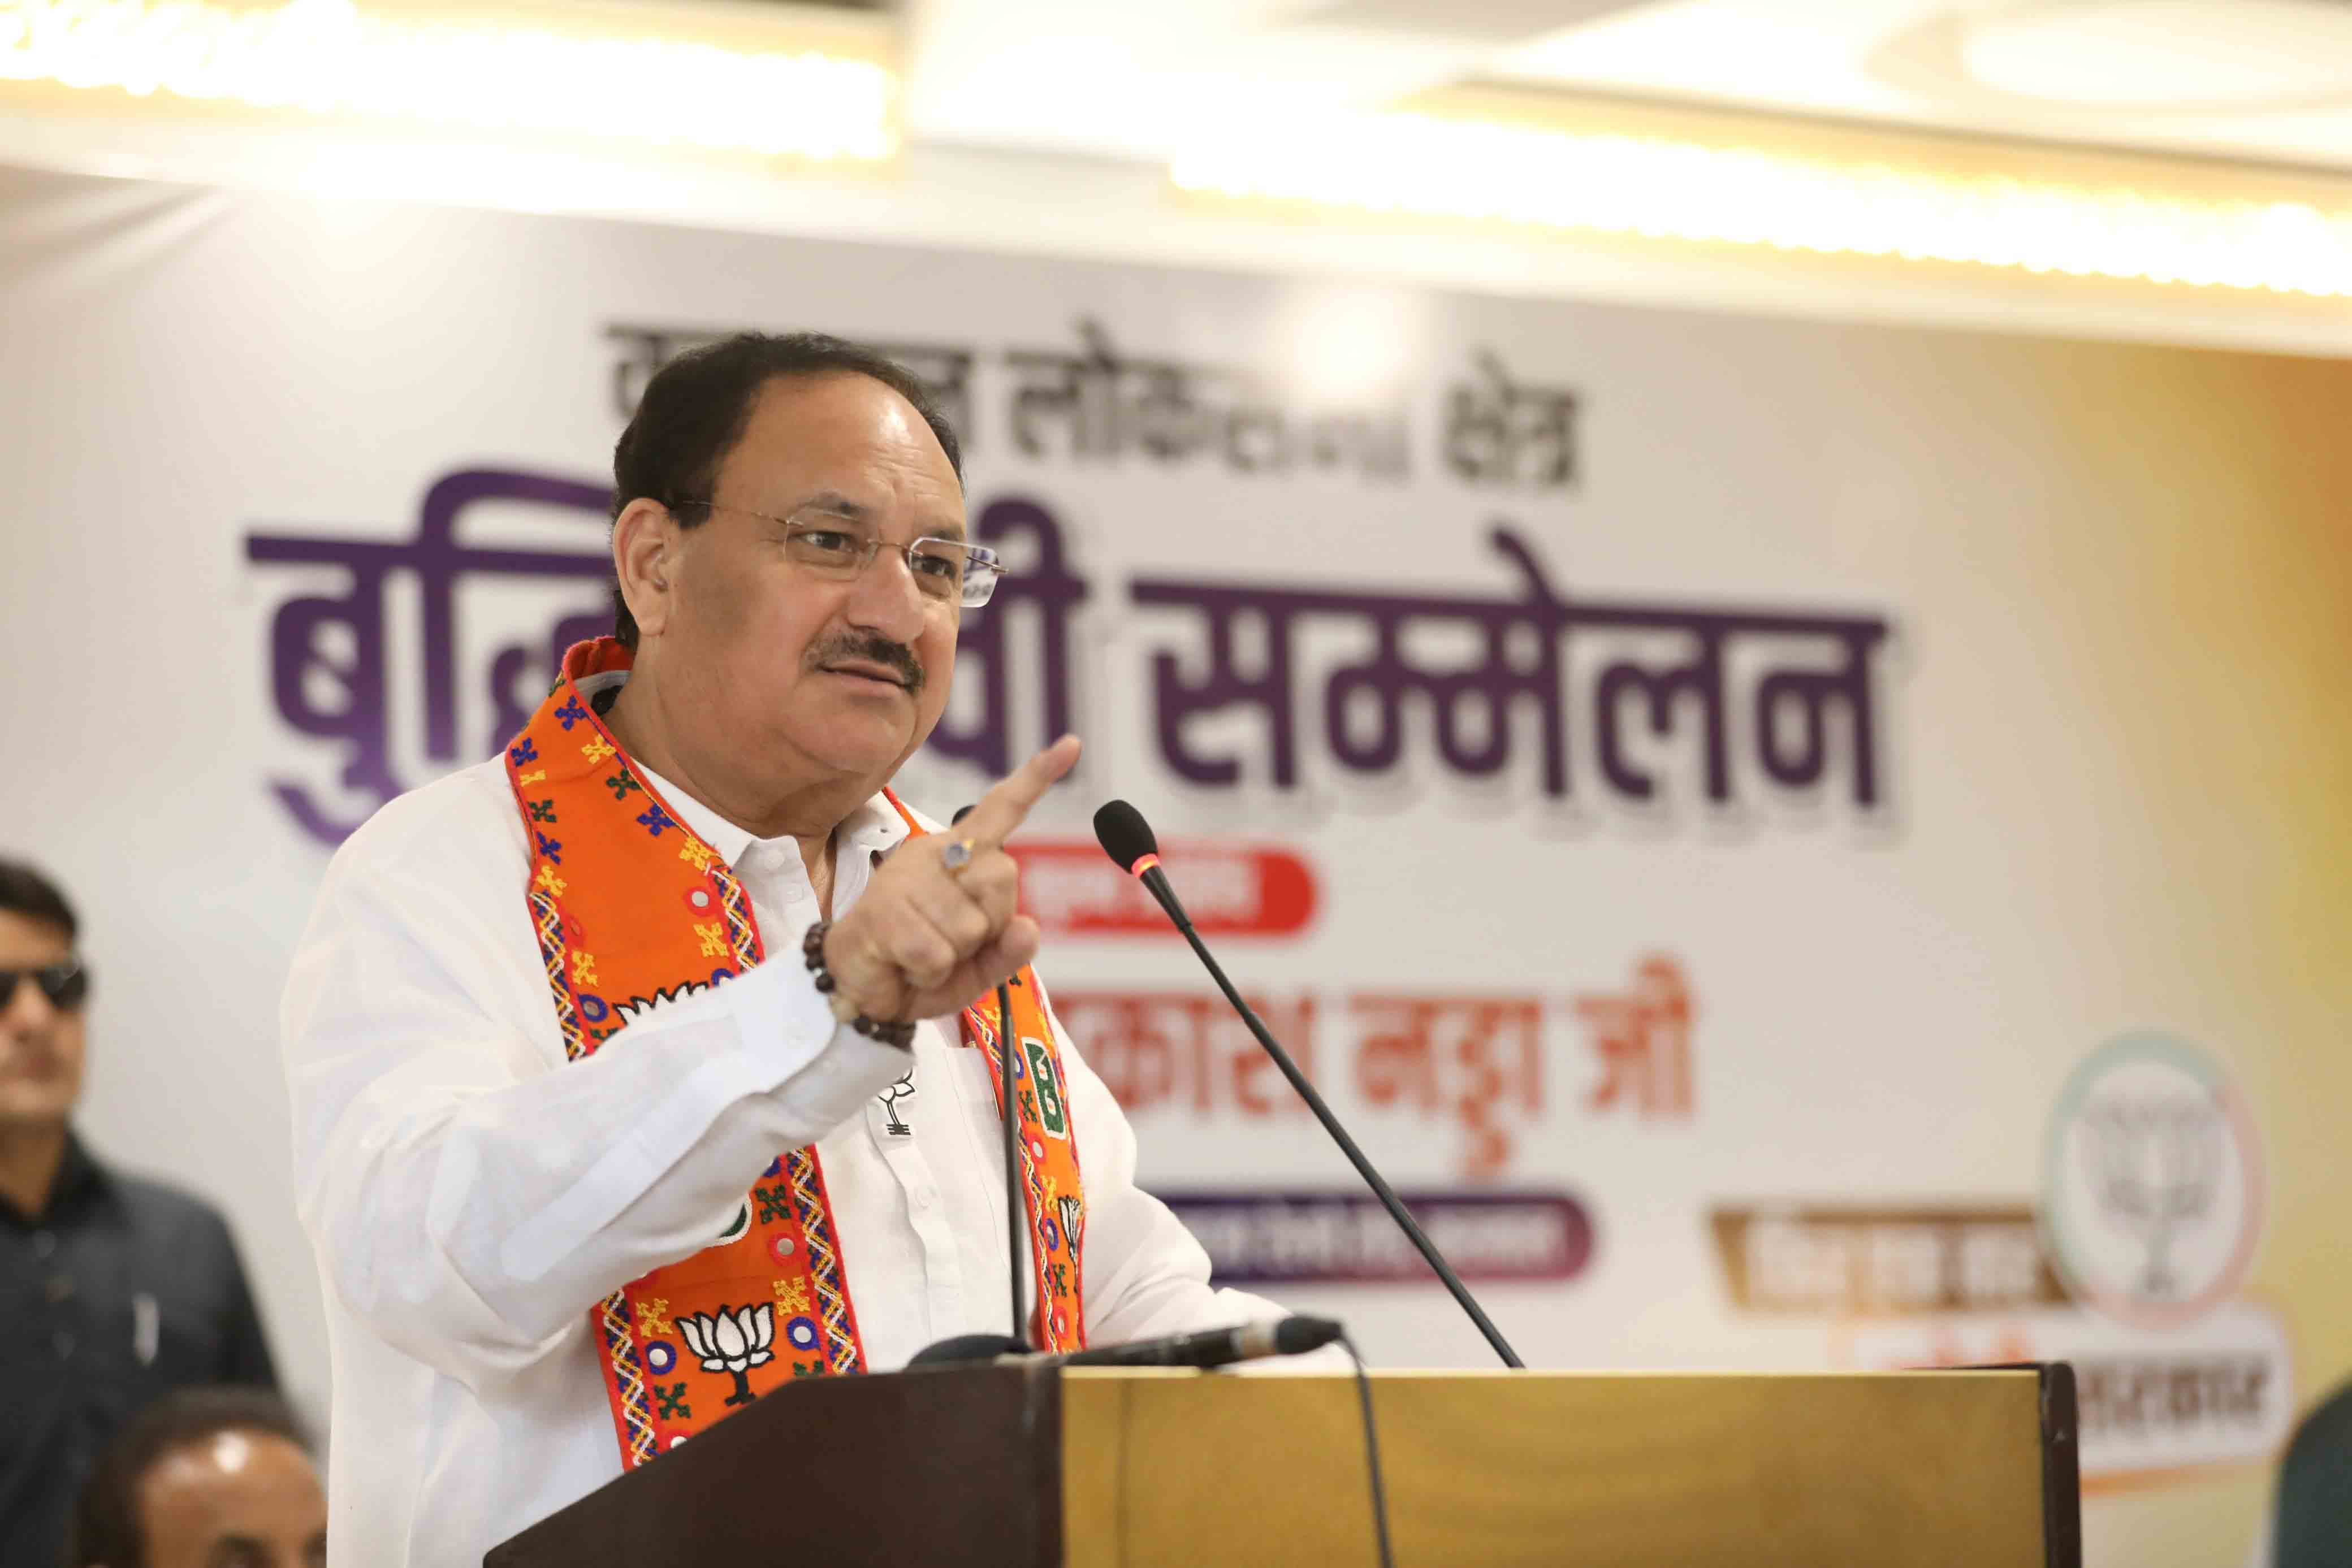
(828, 545)
(64, 984)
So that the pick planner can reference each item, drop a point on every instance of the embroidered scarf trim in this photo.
(633, 910)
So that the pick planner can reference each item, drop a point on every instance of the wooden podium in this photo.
(1040, 1466)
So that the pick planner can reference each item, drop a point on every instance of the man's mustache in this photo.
(873, 649)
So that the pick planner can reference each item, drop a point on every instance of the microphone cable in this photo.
(1015, 1211)
(1371, 1453)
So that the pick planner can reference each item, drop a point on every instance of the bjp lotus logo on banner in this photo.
(2153, 1186)
(2130, 1268)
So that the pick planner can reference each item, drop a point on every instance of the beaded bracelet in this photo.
(901, 1035)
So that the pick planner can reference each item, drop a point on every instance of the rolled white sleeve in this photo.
(471, 1194)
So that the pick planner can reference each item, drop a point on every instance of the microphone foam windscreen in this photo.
(1123, 834)
(1296, 1335)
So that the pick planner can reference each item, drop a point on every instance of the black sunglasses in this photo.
(64, 984)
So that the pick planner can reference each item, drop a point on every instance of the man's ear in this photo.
(645, 562)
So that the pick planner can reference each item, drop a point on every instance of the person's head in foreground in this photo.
(204, 1478)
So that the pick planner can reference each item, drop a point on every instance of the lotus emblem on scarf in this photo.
(732, 1339)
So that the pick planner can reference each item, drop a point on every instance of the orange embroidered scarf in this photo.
(631, 908)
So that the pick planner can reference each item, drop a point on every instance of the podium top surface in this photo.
(1048, 1466)
(1499, 1467)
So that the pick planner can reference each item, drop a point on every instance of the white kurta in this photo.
(471, 1195)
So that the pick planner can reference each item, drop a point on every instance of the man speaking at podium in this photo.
(652, 1063)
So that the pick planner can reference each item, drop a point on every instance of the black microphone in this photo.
(967, 1347)
(1211, 1347)
(1216, 1347)
(1128, 838)
(1015, 1211)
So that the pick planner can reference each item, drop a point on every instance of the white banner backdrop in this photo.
(1712, 800)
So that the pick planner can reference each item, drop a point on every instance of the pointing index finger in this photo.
(1001, 810)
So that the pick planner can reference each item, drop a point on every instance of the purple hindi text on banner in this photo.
(1346, 1237)
(299, 652)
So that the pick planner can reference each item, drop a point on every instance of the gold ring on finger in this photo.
(955, 856)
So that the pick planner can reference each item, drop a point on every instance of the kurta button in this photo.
(65, 1342)
(44, 1244)
(919, 1197)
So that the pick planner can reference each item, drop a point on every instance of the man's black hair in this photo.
(25, 892)
(106, 1517)
(694, 411)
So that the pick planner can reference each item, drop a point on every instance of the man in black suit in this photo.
(114, 1289)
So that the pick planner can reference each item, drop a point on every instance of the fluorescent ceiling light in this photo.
(2244, 54)
(328, 58)
(1419, 165)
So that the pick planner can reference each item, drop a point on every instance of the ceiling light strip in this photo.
(327, 57)
(1423, 166)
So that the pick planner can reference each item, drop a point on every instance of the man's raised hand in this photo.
(928, 938)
